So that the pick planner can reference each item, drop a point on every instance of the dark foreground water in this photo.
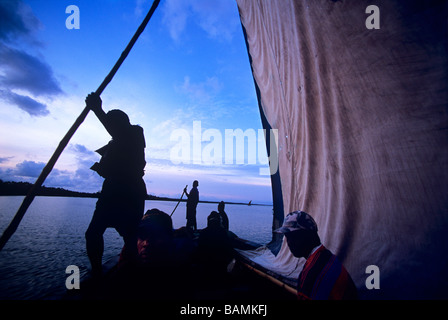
(51, 237)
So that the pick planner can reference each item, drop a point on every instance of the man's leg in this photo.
(190, 223)
(127, 227)
(95, 244)
(195, 225)
(193, 220)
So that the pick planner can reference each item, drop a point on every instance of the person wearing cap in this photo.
(323, 276)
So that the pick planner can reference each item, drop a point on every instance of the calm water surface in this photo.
(51, 237)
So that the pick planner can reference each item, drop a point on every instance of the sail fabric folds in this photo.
(362, 118)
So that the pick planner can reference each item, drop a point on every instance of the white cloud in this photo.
(217, 18)
(175, 15)
(138, 11)
(201, 92)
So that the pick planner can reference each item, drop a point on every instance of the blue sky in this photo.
(189, 66)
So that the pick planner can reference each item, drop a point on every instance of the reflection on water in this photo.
(51, 237)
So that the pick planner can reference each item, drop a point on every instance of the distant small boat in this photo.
(250, 203)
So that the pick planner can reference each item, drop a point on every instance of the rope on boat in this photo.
(12, 227)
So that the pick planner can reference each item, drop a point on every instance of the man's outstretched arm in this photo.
(93, 101)
(186, 192)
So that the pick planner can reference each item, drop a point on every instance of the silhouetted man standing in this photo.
(224, 217)
(192, 203)
(122, 200)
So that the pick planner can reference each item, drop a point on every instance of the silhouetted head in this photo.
(156, 221)
(195, 183)
(300, 231)
(221, 206)
(214, 220)
(118, 120)
(155, 233)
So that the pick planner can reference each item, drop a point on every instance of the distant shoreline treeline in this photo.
(11, 188)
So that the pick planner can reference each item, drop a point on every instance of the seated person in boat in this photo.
(215, 250)
(164, 257)
(158, 245)
(155, 239)
(323, 276)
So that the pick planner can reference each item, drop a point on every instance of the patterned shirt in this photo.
(325, 278)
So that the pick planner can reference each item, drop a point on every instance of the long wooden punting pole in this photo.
(49, 166)
(183, 192)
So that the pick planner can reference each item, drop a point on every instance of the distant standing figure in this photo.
(122, 199)
(192, 203)
(224, 217)
(323, 276)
